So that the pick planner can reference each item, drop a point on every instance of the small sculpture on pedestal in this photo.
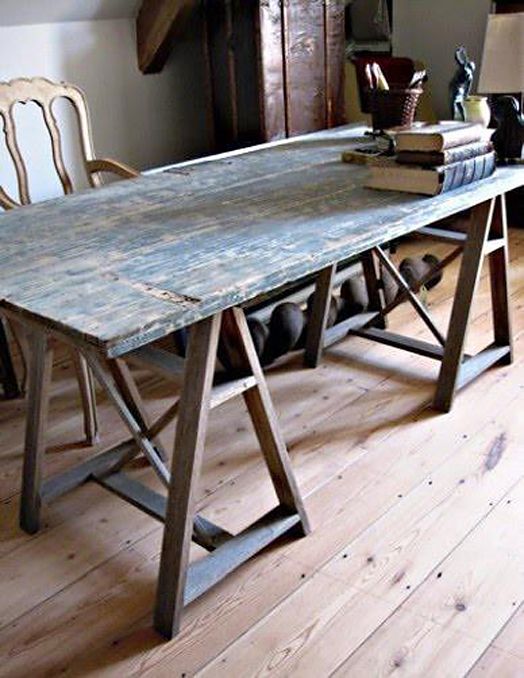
(460, 85)
(508, 138)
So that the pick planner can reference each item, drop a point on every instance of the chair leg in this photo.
(7, 372)
(40, 366)
(88, 397)
(318, 318)
(130, 393)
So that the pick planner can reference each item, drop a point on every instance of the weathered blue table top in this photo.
(126, 264)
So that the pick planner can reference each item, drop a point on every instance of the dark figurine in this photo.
(460, 85)
(508, 138)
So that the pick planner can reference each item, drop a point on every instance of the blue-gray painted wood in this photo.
(124, 265)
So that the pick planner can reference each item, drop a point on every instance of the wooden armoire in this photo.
(275, 68)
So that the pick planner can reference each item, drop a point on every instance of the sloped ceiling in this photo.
(23, 12)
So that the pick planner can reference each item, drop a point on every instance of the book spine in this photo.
(420, 158)
(467, 172)
(459, 137)
(448, 157)
(462, 153)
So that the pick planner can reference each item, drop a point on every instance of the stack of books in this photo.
(435, 158)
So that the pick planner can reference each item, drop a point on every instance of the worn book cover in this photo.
(438, 136)
(448, 157)
(388, 175)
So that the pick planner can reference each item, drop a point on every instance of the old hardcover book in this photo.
(388, 175)
(452, 155)
(438, 137)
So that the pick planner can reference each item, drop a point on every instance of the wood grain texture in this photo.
(128, 264)
(317, 321)
(335, 62)
(305, 57)
(272, 70)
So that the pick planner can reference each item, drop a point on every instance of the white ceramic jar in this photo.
(477, 110)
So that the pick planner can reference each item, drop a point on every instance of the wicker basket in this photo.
(393, 107)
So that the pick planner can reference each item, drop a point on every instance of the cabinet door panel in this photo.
(222, 72)
(305, 66)
(335, 60)
(271, 59)
(244, 32)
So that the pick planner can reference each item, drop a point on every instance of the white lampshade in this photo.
(502, 70)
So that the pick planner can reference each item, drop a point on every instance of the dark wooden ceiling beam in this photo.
(157, 25)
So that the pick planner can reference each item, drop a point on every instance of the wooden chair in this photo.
(44, 93)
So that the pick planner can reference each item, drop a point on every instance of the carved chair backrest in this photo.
(43, 92)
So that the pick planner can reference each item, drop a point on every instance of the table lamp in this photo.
(502, 72)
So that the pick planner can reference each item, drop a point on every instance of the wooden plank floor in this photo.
(415, 565)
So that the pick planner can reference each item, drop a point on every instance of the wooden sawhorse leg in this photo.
(39, 380)
(318, 318)
(487, 236)
(34, 491)
(317, 339)
(179, 584)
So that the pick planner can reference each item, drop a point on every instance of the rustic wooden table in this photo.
(111, 271)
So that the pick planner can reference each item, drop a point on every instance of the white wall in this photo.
(431, 30)
(143, 120)
(24, 12)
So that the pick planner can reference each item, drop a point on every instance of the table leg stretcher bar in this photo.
(179, 582)
(486, 237)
